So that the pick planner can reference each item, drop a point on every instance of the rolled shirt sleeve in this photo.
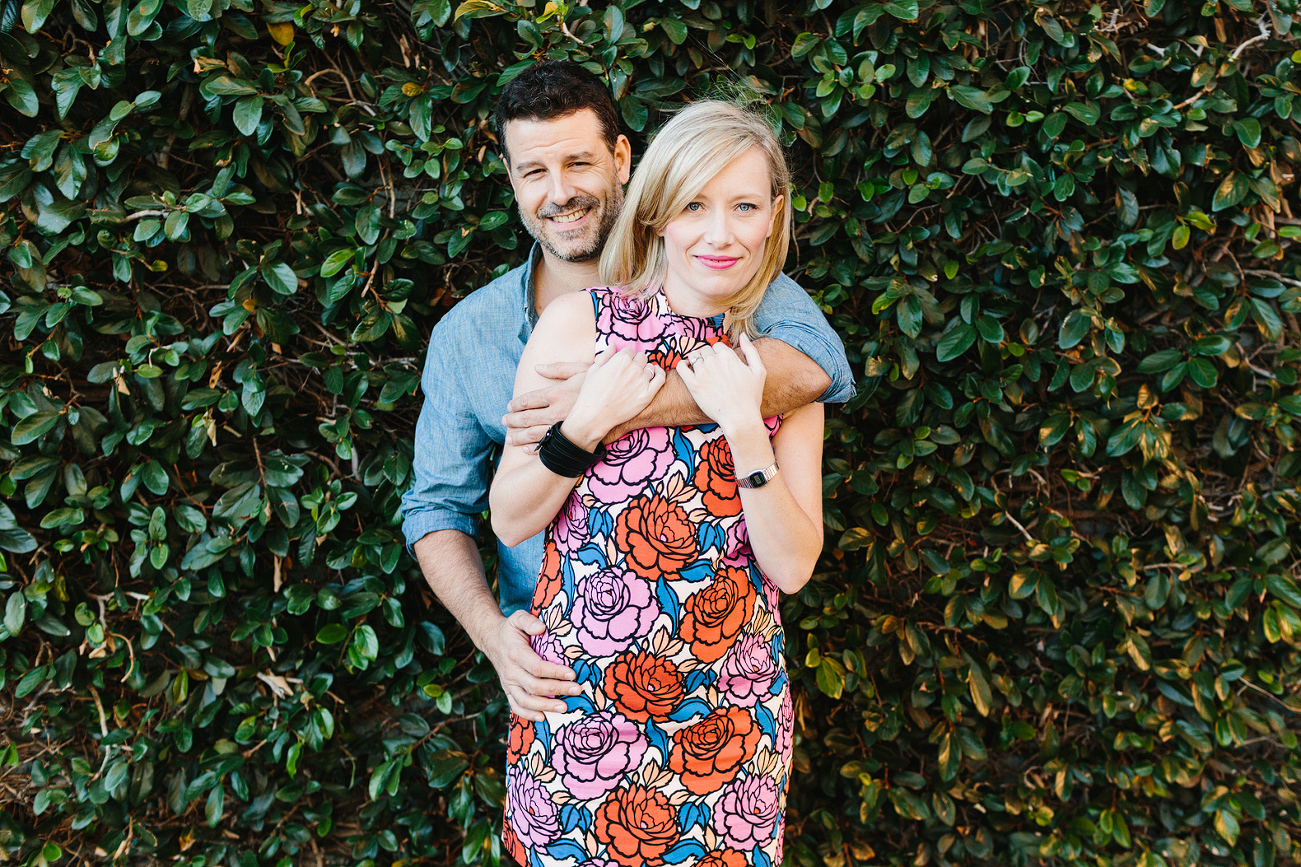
(451, 463)
(788, 314)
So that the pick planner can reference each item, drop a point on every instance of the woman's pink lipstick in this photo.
(718, 263)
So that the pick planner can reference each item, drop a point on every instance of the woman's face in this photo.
(716, 244)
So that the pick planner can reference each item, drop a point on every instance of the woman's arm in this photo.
(784, 517)
(525, 495)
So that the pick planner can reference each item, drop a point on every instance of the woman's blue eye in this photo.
(747, 206)
(694, 206)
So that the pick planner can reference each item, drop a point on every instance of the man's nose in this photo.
(561, 189)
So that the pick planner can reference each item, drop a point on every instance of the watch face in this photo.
(756, 479)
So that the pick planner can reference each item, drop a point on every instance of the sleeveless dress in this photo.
(678, 750)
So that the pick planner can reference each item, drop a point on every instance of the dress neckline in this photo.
(664, 308)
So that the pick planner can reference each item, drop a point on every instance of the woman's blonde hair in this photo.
(686, 154)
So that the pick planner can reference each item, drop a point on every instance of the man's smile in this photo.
(572, 217)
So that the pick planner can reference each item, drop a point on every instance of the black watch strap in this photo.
(559, 455)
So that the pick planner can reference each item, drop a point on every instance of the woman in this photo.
(661, 576)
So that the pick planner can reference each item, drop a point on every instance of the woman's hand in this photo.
(727, 388)
(619, 384)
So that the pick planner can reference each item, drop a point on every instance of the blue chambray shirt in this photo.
(469, 378)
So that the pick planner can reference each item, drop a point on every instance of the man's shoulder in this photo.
(490, 306)
(784, 282)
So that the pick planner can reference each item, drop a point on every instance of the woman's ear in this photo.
(778, 213)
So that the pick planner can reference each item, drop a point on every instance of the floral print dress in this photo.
(678, 750)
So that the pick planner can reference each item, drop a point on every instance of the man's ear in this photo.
(622, 158)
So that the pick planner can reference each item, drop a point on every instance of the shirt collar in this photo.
(530, 293)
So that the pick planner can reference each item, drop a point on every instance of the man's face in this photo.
(567, 182)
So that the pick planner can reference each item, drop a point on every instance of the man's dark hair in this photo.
(552, 89)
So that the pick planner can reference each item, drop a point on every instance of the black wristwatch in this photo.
(563, 457)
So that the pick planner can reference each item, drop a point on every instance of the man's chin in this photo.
(586, 251)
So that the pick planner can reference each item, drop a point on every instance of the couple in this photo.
(655, 614)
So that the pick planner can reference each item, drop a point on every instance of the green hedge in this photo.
(1057, 620)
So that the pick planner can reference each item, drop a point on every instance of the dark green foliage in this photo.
(1058, 617)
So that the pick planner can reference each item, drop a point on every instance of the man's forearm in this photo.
(453, 569)
(794, 380)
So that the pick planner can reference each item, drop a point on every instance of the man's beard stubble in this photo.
(609, 211)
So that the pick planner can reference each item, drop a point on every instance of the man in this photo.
(567, 162)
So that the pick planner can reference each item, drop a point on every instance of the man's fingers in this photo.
(527, 623)
(533, 707)
(527, 418)
(538, 399)
(562, 369)
(527, 436)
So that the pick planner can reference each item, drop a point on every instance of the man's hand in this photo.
(532, 413)
(529, 681)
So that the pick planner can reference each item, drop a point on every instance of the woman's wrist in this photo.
(585, 433)
(751, 447)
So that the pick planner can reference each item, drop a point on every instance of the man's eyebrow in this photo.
(584, 155)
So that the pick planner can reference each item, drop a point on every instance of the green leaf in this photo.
(336, 261)
(478, 9)
(32, 428)
(981, 696)
(1160, 361)
(1232, 190)
(1283, 587)
(831, 677)
(22, 97)
(903, 9)
(248, 114)
(281, 278)
(13, 537)
(957, 341)
(971, 97)
(1074, 328)
(34, 14)
(676, 30)
(15, 612)
(332, 633)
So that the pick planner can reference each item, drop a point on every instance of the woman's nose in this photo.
(719, 230)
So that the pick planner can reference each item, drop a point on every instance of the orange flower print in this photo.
(550, 579)
(657, 535)
(723, 858)
(716, 477)
(713, 617)
(520, 739)
(643, 686)
(637, 824)
(709, 754)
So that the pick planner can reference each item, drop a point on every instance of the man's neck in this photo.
(555, 277)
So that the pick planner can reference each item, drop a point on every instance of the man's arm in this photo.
(793, 381)
(449, 489)
(804, 356)
(453, 568)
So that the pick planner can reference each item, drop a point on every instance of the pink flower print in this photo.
(593, 753)
(785, 726)
(533, 815)
(748, 812)
(736, 551)
(612, 607)
(748, 671)
(629, 462)
(626, 320)
(570, 530)
(548, 646)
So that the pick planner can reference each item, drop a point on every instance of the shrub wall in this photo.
(1057, 620)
